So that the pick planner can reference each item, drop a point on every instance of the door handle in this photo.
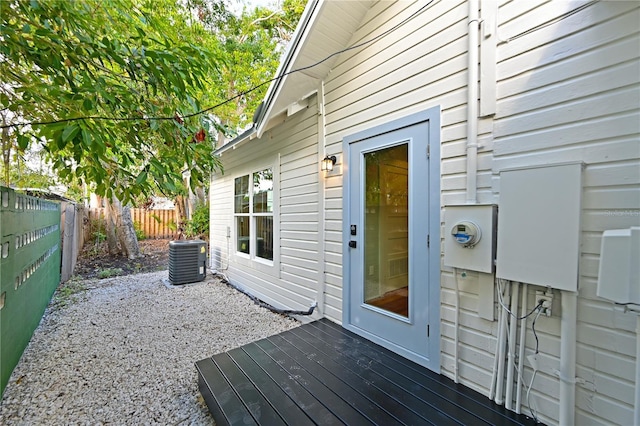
(352, 244)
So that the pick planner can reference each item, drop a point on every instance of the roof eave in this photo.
(310, 13)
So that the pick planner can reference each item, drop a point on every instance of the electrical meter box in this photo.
(469, 237)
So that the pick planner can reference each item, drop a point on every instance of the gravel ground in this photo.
(122, 351)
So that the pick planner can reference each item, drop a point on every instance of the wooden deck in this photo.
(320, 373)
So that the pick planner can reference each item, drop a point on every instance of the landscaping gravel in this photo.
(122, 351)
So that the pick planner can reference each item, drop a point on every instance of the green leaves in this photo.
(70, 132)
(23, 141)
(127, 60)
(117, 69)
(142, 177)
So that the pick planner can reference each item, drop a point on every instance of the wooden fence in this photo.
(153, 223)
(73, 236)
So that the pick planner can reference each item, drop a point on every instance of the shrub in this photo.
(110, 272)
(97, 230)
(140, 235)
(198, 226)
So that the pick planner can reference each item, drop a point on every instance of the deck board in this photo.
(298, 393)
(408, 406)
(320, 373)
(462, 396)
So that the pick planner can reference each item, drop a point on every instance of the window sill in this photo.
(261, 265)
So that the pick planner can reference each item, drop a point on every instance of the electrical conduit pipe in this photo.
(472, 102)
(492, 391)
(472, 135)
(511, 355)
(568, 325)
(456, 324)
(523, 333)
(501, 348)
(636, 411)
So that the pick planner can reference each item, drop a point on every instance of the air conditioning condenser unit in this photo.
(187, 261)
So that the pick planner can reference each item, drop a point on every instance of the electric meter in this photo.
(466, 233)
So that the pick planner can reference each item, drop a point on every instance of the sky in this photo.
(237, 5)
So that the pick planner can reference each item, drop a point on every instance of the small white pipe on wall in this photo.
(511, 356)
(636, 411)
(523, 334)
(472, 101)
(501, 348)
(494, 375)
(568, 325)
(456, 325)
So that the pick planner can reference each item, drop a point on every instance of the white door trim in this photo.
(432, 116)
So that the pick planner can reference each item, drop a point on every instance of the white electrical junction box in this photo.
(539, 218)
(619, 272)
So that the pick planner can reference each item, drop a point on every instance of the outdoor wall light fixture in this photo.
(327, 163)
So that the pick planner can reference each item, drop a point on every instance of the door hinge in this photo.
(428, 151)
(428, 241)
(428, 330)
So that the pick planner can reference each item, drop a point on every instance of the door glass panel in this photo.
(386, 248)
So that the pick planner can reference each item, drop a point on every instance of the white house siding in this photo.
(564, 93)
(291, 149)
(420, 65)
(570, 92)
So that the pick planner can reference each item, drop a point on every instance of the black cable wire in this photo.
(501, 302)
(104, 118)
(266, 305)
(536, 308)
(533, 328)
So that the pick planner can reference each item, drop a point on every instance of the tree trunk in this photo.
(110, 227)
(181, 209)
(201, 196)
(6, 154)
(126, 232)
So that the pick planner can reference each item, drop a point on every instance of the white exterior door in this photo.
(390, 286)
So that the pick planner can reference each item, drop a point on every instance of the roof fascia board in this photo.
(237, 141)
(309, 16)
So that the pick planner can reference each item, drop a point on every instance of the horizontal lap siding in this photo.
(420, 65)
(566, 92)
(570, 92)
(291, 148)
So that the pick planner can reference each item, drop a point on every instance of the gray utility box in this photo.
(187, 261)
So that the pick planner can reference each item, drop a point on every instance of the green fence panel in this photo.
(29, 271)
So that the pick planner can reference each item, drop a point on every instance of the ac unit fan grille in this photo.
(187, 261)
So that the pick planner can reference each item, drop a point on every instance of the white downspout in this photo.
(472, 102)
(568, 325)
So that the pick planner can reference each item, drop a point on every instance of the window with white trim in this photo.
(253, 211)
